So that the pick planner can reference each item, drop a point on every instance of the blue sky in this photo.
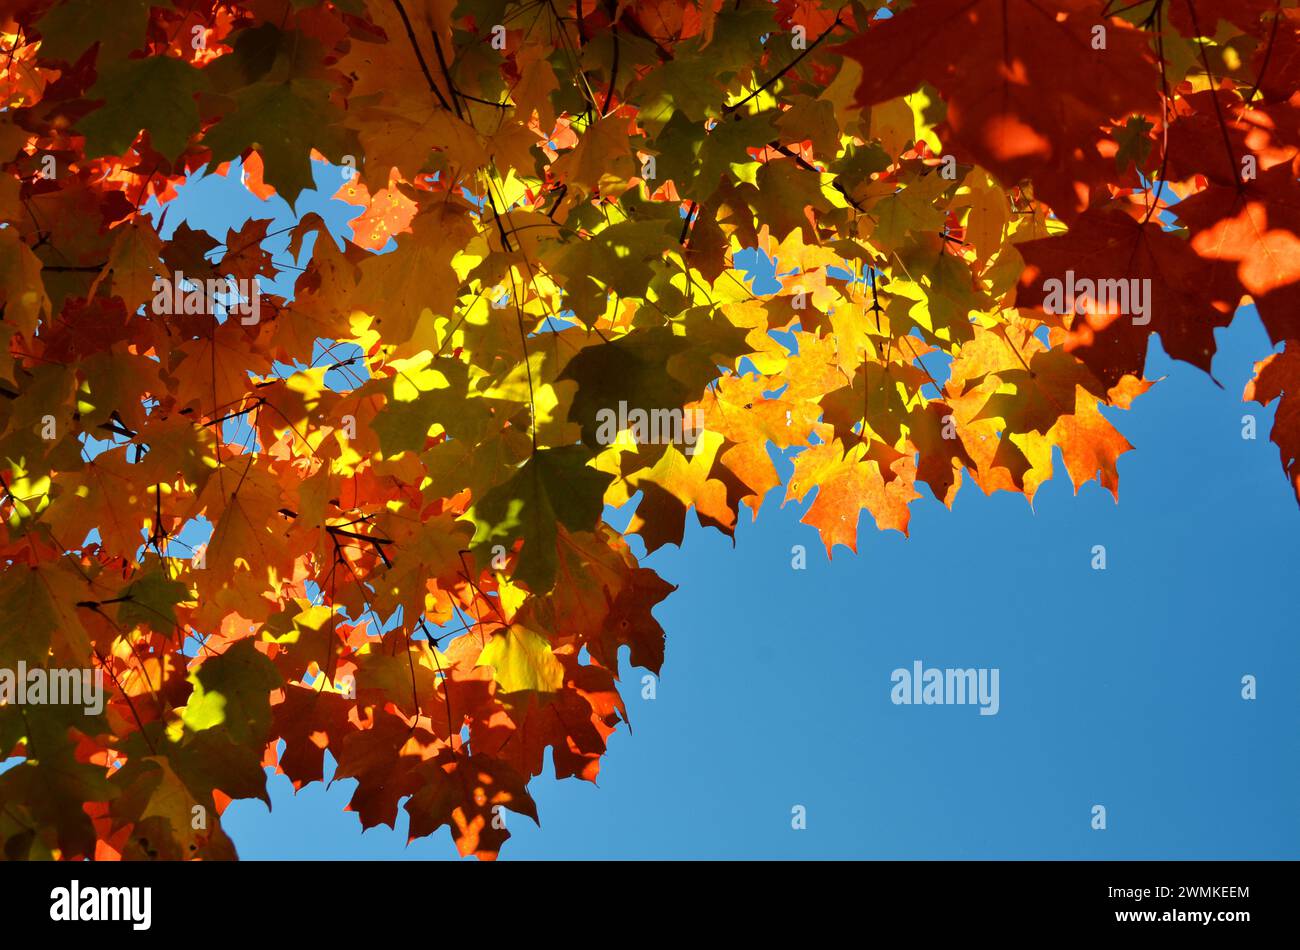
(1119, 687)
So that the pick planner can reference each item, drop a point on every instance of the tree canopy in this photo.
(979, 212)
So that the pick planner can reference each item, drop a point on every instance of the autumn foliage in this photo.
(408, 563)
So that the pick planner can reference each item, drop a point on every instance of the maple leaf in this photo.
(150, 599)
(1254, 225)
(158, 810)
(521, 660)
(606, 599)
(248, 533)
(232, 690)
(399, 288)
(652, 369)
(384, 758)
(154, 93)
(39, 607)
(1182, 302)
(132, 264)
(244, 257)
(463, 792)
(1090, 445)
(1278, 377)
(213, 374)
(573, 725)
(992, 60)
(22, 290)
(102, 495)
(284, 121)
(554, 487)
(749, 420)
(601, 161)
(309, 720)
(51, 786)
(940, 456)
(72, 26)
(848, 480)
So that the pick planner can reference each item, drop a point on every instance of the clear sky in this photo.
(1119, 688)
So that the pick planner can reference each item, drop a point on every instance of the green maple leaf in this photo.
(784, 191)
(727, 146)
(910, 210)
(73, 26)
(615, 259)
(953, 296)
(555, 486)
(154, 93)
(154, 597)
(284, 121)
(51, 785)
(38, 611)
(650, 369)
(232, 690)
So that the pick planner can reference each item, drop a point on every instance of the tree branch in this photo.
(424, 67)
(727, 110)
